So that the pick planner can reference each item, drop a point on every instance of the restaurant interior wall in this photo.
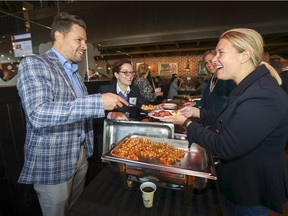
(181, 60)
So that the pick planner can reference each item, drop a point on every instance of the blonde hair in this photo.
(248, 39)
(142, 69)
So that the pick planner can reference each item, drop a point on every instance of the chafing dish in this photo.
(115, 130)
(194, 163)
(191, 172)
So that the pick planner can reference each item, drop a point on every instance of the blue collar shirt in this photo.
(71, 71)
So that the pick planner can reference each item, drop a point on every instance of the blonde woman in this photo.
(250, 133)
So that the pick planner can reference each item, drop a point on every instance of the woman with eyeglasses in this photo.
(146, 89)
(124, 75)
(250, 133)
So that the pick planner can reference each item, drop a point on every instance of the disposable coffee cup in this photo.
(148, 189)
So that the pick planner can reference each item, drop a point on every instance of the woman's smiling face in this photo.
(227, 60)
(208, 63)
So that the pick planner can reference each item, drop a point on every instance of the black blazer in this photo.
(134, 92)
(249, 136)
(134, 112)
(284, 77)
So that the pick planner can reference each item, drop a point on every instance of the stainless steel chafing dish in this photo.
(115, 130)
(190, 173)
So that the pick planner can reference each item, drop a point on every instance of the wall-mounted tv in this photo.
(22, 45)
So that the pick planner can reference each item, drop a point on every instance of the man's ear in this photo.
(58, 36)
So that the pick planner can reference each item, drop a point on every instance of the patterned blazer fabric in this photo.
(53, 119)
(146, 90)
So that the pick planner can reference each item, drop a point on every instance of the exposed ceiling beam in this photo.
(160, 51)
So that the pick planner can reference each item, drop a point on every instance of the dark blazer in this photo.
(249, 136)
(134, 112)
(213, 101)
(134, 92)
(284, 77)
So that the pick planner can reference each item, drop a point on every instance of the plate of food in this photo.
(158, 114)
(169, 106)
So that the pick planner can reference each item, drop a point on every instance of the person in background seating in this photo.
(59, 115)
(250, 133)
(158, 82)
(173, 86)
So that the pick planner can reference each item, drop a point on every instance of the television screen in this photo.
(22, 45)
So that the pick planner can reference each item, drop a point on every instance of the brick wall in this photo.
(154, 62)
(180, 60)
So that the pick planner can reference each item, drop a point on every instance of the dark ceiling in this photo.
(153, 29)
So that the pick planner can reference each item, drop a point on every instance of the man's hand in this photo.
(113, 101)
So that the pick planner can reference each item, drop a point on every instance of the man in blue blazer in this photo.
(59, 117)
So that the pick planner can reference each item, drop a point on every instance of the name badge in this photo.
(133, 100)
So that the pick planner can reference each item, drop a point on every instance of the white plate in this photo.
(169, 106)
(151, 114)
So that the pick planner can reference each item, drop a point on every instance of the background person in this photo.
(216, 91)
(173, 86)
(59, 116)
(158, 82)
(146, 89)
(250, 133)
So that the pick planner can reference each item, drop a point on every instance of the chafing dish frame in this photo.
(187, 180)
(179, 167)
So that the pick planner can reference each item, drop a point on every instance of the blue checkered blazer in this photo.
(53, 120)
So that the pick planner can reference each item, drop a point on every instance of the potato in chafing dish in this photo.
(133, 148)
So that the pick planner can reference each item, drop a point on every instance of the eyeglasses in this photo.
(131, 73)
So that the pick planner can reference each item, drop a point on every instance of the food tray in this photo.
(194, 163)
(115, 130)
